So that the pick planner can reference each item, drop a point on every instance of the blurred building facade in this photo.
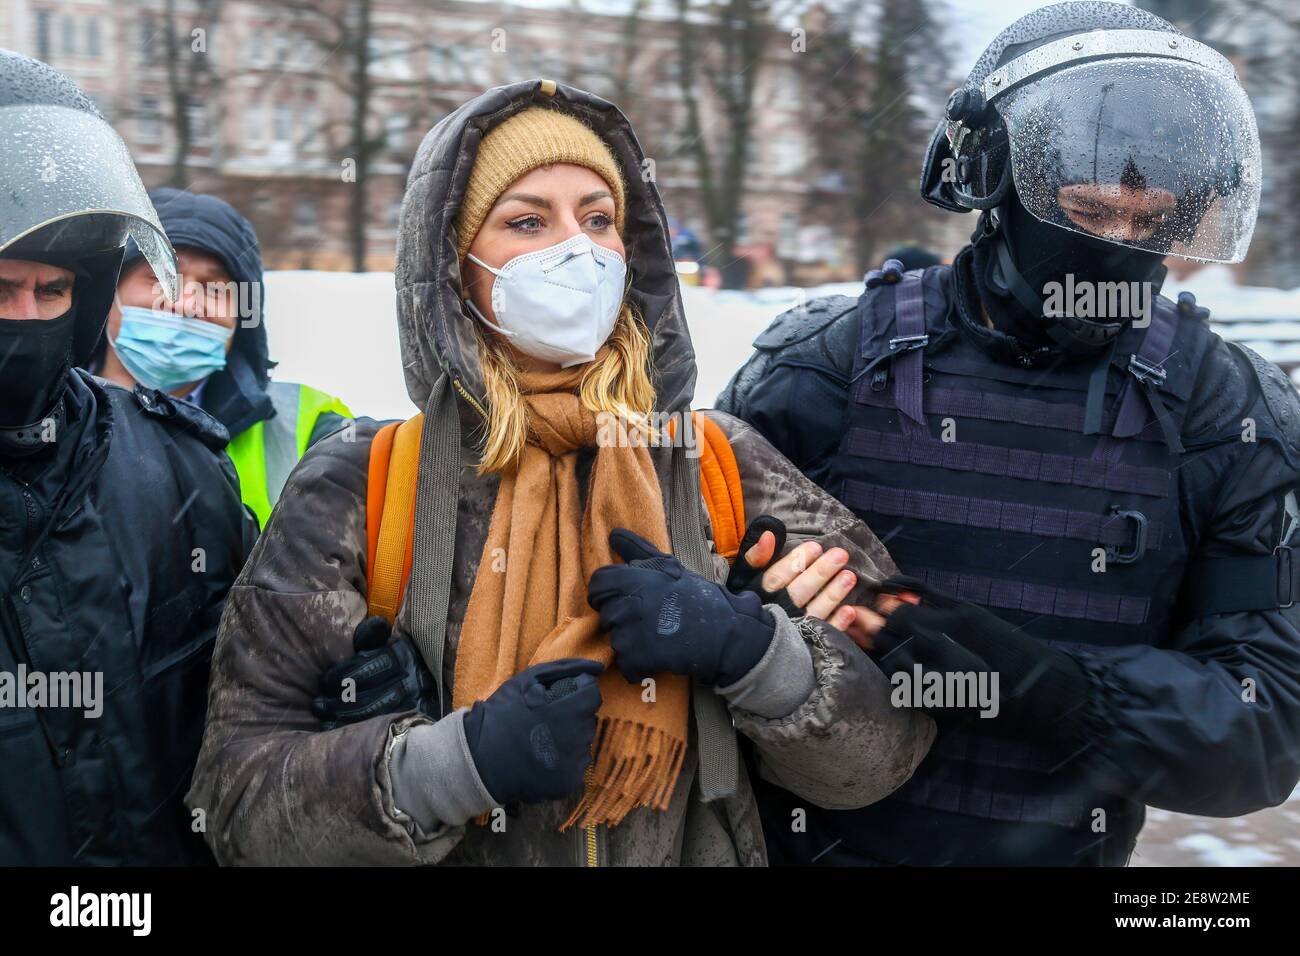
(269, 92)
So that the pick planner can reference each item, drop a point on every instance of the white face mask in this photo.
(557, 304)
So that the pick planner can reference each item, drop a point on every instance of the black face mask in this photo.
(35, 356)
(1045, 253)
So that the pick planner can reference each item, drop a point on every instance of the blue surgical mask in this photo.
(163, 350)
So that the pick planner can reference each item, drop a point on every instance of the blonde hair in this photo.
(617, 383)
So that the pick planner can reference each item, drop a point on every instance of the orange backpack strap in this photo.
(390, 504)
(390, 514)
(719, 483)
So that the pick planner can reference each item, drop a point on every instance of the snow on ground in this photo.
(338, 332)
(1268, 838)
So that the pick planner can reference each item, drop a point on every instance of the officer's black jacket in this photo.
(117, 549)
(1178, 735)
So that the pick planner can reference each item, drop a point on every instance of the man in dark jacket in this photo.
(121, 528)
(1096, 510)
(271, 424)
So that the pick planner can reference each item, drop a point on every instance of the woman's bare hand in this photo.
(818, 583)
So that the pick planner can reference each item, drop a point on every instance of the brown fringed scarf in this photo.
(536, 609)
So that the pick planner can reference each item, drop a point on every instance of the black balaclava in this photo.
(35, 356)
(1041, 253)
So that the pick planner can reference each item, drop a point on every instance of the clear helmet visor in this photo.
(1155, 155)
(70, 187)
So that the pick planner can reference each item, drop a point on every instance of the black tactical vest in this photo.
(1008, 487)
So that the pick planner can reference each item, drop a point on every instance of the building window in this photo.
(148, 123)
(478, 70)
(305, 54)
(93, 48)
(313, 135)
(144, 37)
(69, 36)
(395, 128)
(787, 238)
(197, 116)
(253, 48)
(44, 25)
(786, 93)
(255, 122)
(742, 237)
(263, 206)
(390, 58)
(305, 215)
(787, 155)
(282, 123)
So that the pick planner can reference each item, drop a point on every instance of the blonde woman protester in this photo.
(563, 588)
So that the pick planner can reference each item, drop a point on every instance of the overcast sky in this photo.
(976, 22)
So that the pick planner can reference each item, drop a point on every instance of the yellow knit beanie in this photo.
(536, 137)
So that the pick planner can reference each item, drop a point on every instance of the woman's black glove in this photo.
(384, 676)
(531, 740)
(662, 617)
(1042, 691)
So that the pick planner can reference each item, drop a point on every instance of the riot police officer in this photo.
(1092, 494)
(121, 529)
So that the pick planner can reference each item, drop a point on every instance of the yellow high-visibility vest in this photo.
(265, 453)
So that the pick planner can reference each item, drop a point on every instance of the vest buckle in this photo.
(905, 343)
(1145, 372)
(1114, 554)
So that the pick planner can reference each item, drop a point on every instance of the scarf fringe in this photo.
(635, 765)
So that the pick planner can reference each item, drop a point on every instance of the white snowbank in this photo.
(338, 330)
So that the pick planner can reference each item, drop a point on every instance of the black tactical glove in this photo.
(1042, 691)
(662, 617)
(531, 740)
(745, 577)
(386, 674)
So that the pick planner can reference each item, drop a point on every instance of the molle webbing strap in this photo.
(1037, 598)
(947, 788)
(1012, 517)
(909, 373)
(1001, 462)
(1147, 367)
(1097, 391)
(994, 407)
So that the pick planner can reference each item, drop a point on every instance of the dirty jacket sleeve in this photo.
(841, 744)
(273, 787)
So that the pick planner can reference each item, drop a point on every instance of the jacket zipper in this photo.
(592, 858)
(464, 393)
